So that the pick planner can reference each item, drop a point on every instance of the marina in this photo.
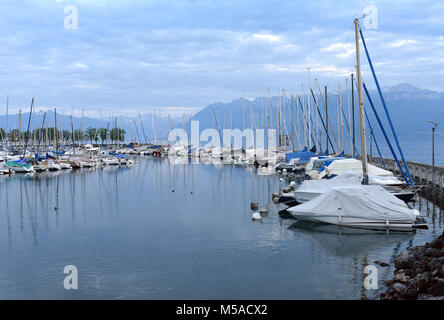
(117, 183)
(125, 228)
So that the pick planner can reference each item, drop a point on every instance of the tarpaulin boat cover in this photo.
(303, 156)
(298, 155)
(320, 186)
(339, 166)
(366, 202)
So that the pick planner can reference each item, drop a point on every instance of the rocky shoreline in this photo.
(419, 273)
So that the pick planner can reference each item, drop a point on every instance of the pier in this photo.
(428, 178)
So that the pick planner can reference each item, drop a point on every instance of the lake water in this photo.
(131, 236)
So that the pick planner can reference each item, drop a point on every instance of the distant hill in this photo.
(129, 124)
(410, 108)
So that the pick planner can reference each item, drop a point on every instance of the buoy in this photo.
(172, 190)
(292, 184)
(254, 206)
(264, 209)
(256, 216)
(284, 172)
(281, 180)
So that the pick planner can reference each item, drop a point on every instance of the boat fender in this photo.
(256, 216)
(264, 209)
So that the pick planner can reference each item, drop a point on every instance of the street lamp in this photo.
(434, 124)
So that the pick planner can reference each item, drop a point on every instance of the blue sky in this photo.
(130, 56)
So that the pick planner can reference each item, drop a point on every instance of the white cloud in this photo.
(343, 50)
(267, 37)
(81, 65)
(401, 43)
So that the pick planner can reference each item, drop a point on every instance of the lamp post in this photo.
(434, 124)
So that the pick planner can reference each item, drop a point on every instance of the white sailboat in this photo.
(357, 205)
(362, 206)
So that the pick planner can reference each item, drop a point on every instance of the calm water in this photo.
(130, 236)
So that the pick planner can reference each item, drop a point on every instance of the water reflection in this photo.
(168, 229)
(345, 242)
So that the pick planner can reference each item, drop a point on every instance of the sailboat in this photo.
(21, 166)
(358, 205)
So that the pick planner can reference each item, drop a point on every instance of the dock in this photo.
(428, 178)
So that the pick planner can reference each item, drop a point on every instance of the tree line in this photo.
(50, 134)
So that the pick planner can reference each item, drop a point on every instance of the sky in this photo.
(127, 57)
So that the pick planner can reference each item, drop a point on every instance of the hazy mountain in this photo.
(132, 125)
(410, 108)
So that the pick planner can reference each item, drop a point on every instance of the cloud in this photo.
(81, 65)
(343, 50)
(267, 37)
(401, 43)
(141, 54)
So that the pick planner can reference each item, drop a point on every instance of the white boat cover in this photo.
(384, 180)
(357, 206)
(338, 167)
(320, 186)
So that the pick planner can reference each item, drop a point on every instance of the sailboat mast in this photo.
(292, 124)
(20, 133)
(7, 115)
(349, 117)
(342, 118)
(309, 111)
(326, 115)
(304, 117)
(243, 114)
(55, 132)
(361, 106)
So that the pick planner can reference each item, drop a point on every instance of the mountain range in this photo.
(410, 109)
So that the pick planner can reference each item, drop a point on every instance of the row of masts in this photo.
(306, 130)
(308, 112)
(300, 120)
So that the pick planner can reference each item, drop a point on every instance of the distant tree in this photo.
(103, 133)
(66, 135)
(117, 134)
(90, 134)
(78, 135)
(121, 135)
(14, 135)
(2, 134)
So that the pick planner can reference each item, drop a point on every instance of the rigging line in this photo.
(322, 120)
(385, 134)
(306, 120)
(374, 139)
(329, 120)
(348, 127)
(340, 62)
(385, 108)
